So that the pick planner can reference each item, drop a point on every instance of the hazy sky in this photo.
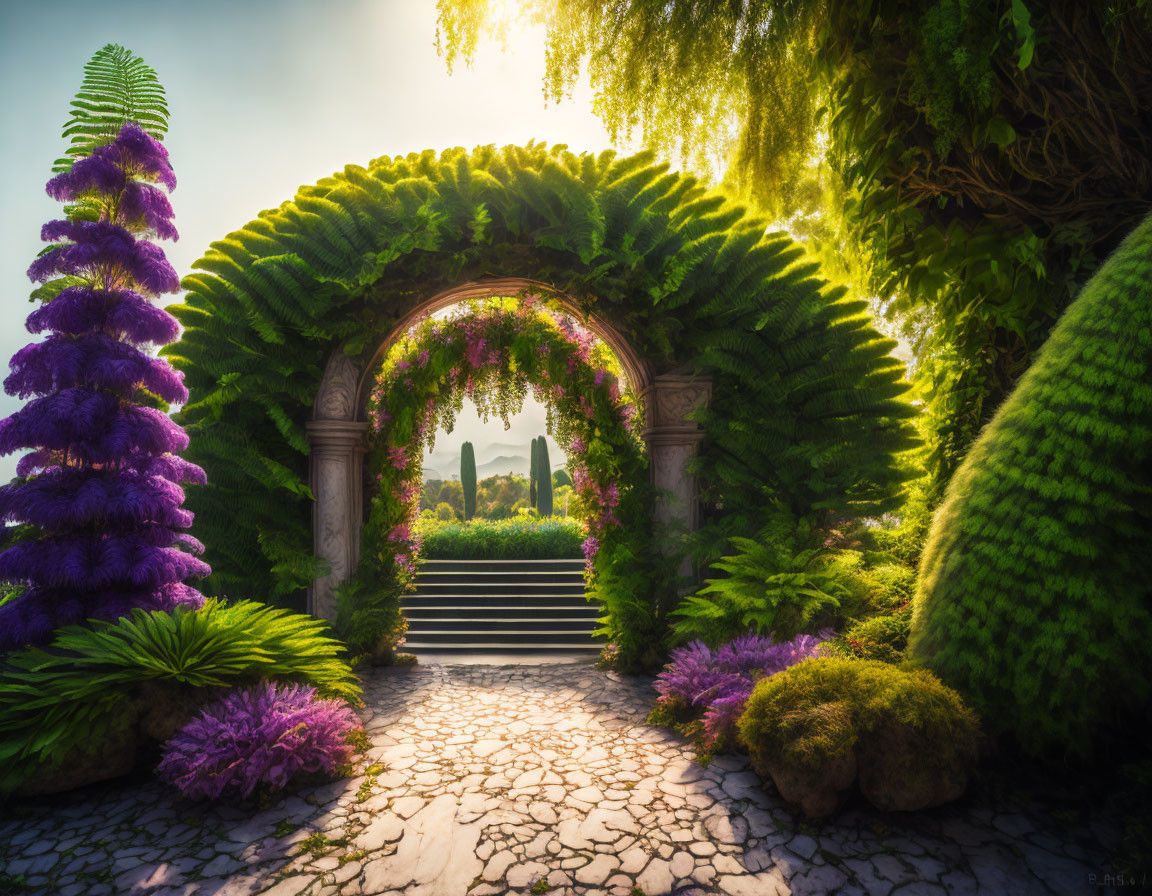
(264, 95)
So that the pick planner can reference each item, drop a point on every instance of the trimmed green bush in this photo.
(826, 723)
(468, 479)
(544, 484)
(1035, 598)
(90, 681)
(519, 538)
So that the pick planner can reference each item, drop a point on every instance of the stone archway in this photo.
(337, 434)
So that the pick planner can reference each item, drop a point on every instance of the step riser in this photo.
(538, 603)
(560, 567)
(505, 587)
(465, 585)
(502, 612)
(503, 636)
(459, 579)
(480, 626)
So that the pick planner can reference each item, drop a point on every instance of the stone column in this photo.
(338, 442)
(338, 513)
(672, 441)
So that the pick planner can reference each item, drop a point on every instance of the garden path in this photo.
(497, 778)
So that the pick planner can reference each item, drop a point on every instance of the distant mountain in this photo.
(430, 474)
(503, 465)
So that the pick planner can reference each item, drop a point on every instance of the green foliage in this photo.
(521, 538)
(10, 591)
(776, 584)
(1035, 594)
(883, 637)
(560, 478)
(807, 404)
(445, 513)
(816, 725)
(544, 485)
(71, 693)
(368, 617)
(468, 479)
(118, 87)
(935, 142)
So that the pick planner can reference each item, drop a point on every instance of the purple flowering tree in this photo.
(98, 501)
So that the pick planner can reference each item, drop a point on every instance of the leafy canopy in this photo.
(970, 162)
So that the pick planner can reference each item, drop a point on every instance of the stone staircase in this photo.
(500, 606)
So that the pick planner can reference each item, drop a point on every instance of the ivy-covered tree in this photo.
(544, 472)
(1035, 595)
(97, 502)
(468, 479)
(973, 161)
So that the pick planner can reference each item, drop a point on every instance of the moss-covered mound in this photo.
(1036, 583)
(828, 723)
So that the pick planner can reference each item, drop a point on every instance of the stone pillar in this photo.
(338, 442)
(672, 441)
(338, 514)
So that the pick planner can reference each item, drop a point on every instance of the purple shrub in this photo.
(715, 684)
(101, 480)
(264, 735)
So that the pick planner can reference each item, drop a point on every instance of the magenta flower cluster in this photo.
(715, 684)
(261, 736)
(101, 478)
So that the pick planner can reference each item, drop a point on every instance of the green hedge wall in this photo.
(1035, 598)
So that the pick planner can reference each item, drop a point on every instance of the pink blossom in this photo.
(544, 349)
(475, 352)
(402, 364)
(423, 357)
(599, 378)
(398, 456)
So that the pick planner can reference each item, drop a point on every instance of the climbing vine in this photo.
(494, 352)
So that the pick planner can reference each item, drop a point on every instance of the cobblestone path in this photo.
(522, 779)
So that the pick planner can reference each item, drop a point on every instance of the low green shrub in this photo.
(89, 681)
(519, 538)
(883, 638)
(824, 724)
(368, 618)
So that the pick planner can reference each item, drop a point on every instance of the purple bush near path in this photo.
(266, 734)
(715, 684)
(102, 476)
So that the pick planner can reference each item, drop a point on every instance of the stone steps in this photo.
(500, 606)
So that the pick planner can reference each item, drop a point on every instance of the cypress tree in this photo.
(544, 471)
(1035, 593)
(533, 474)
(468, 479)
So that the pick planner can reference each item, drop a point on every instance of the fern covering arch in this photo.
(808, 406)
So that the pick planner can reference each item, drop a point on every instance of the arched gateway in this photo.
(285, 321)
(337, 433)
